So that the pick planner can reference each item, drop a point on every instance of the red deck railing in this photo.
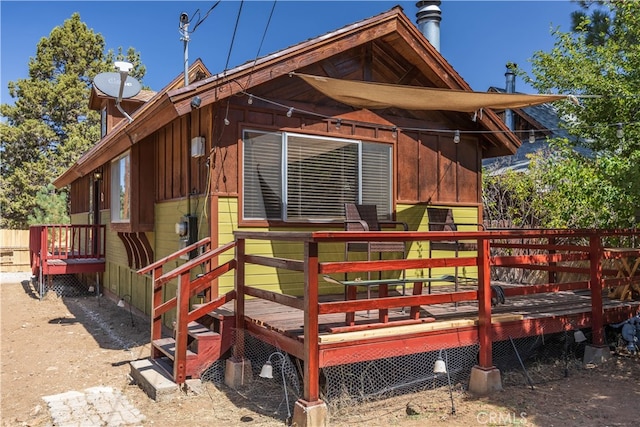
(188, 287)
(65, 242)
(564, 260)
(557, 252)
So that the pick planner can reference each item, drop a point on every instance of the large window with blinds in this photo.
(295, 177)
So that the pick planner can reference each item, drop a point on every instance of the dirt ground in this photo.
(62, 344)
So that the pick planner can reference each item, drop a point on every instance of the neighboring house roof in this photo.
(390, 35)
(545, 121)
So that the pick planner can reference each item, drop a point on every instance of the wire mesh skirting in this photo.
(382, 378)
(64, 285)
(540, 358)
(275, 395)
(522, 361)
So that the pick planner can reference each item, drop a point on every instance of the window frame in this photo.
(116, 184)
(385, 209)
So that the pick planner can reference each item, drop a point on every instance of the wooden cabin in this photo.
(249, 170)
(244, 121)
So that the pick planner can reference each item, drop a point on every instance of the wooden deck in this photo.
(573, 278)
(67, 249)
(518, 317)
(62, 249)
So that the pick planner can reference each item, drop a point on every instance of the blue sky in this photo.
(477, 37)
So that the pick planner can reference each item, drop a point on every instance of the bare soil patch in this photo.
(62, 344)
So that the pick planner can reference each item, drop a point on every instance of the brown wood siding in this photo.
(177, 149)
(467, 171)
(224, 179)
(79, 195)
(447, 168)
(433, 169)
(144, 197)
(179, 175)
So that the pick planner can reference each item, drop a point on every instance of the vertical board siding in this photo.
(79, 194)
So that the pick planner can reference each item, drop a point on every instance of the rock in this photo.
(413, 409)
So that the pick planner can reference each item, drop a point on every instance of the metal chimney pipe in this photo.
(510, 88)
(429, 16)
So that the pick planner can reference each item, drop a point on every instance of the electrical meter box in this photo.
(187, 231)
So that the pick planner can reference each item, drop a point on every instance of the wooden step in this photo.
(168, 347)
(201, 332)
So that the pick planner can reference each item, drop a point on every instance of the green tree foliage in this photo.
(50, 125)
(601, 56)
(51, 207)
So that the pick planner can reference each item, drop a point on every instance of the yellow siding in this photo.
(416, 217)
(167, 214)
(122, 280)
(276, 280)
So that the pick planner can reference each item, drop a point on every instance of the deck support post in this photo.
(595, 285)
(236, 372)
(310, 414)
(485, 378)
(311, 348)
(484, 306)
(598, 351)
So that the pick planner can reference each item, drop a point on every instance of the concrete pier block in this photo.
(310, 414)
(485, 381)
(238, 373)
(596, 354)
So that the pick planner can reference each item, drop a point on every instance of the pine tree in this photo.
(50, 125)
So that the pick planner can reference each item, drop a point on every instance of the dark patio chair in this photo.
(441, 219)
(365, 218)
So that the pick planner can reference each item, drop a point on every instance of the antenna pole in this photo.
(184, 30)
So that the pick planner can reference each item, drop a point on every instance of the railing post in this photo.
(182, 311)
(552, 273)
(238, 349)
(311, 363)
(595, 285)
(156, 300)
(310, 410)
(485, 378)
(484, 305)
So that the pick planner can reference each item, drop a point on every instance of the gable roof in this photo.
(407, 57)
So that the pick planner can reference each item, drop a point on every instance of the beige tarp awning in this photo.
(381, 95)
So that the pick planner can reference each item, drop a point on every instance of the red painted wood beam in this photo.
(597, 324)
(373, 349)
(238, 348)
(390, 265)
(391, 302)
(312, 365)
(484, 306)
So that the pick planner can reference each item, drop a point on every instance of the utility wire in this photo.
(201, 20)
(264, 34)
(235, 29)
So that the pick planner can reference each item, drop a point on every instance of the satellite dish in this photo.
(109, 83)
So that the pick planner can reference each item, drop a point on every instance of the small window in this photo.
(296, 177)
(121, 189)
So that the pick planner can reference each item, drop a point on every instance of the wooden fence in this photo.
(14, 251)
